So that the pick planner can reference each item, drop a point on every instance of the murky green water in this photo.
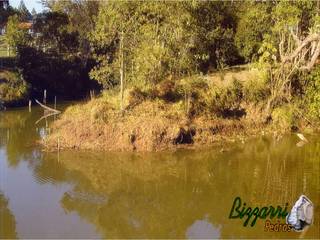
(186, 194)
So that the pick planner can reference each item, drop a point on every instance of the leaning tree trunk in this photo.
(303, 57)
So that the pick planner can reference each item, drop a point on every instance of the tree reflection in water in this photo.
(8, 222)
(171, 194)
(165, 194)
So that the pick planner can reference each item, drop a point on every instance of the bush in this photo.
(221, 99)
(256, 90)
(168, 90)
(313, 94)
(136, 96)
(12, 87)
(284, 117)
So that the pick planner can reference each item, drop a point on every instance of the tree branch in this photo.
(313, 60)
(304, 43)
(295, 37)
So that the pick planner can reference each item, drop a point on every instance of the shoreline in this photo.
(147, 129)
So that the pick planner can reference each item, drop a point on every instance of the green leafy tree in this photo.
(214, 26)
(6, 13)
(15, 35)
(81, 20)
(116, 27)
(52, 33)
(145, 42)
(254, 23)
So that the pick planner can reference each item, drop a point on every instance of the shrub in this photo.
(136, 96)
(313, 94)
(12, 87)
(168, 91)
(284, 117)
(256, 90)
(218, 100)
(223, 99)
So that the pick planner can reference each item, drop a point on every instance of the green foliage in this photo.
(6, 13)
(15, 36)
(81, 16)
(284, 117)
(313, 94)
(223, 99)
(12, 87)
(201, 96)
(268, 52)
(256, 90)
(52, 33)
(160, 49)
(156, 43)
(54, 59)
(287, 18)
(213, 26)
(254, 23)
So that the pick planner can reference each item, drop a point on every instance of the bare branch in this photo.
(295, 37)
(313, 60)
(48, 108)
(304, 43)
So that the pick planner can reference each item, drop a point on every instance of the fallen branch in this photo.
(48, 108)
(46, 116)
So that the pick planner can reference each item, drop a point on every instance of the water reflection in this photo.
(162, 195)
(185, 194)
(7, 223)
(202, 229)
(35, 199)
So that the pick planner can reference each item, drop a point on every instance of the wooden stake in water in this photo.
(55, 106)
(30, 105)
(45, 96)
(92, 94)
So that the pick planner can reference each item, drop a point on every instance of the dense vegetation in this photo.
(176, 56)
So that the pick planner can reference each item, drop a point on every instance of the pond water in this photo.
(181, 194)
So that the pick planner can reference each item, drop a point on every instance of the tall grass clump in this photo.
(256, 90)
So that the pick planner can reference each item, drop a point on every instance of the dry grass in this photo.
(149, 126)
(225, 78)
